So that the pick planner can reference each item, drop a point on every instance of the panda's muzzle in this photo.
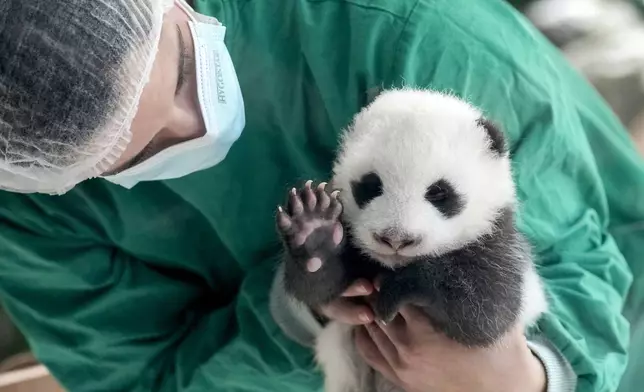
(396, 240)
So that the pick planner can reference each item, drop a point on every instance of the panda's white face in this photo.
(421, 173)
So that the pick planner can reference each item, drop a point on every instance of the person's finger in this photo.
(418, 327)
(384, 344)
(372, 356)
(347, 312)
(416, 319)
(359, 288)
(397, 331)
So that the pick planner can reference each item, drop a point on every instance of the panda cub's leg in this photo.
(335, 352)
(313, 236)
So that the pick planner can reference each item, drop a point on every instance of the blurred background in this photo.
(603, 39)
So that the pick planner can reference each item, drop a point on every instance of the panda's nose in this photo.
(396, 241)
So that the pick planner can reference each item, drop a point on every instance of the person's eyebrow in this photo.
(182, 60)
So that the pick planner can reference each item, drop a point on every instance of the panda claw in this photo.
(385, 312)
(324, 201)
(310, 209)
(335, 207)
(284, 222)
(295, 203)
(308, 196)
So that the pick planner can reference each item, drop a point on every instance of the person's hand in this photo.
(346, 309)
(417, 358)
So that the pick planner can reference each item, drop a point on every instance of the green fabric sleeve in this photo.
(79, 304)
(103, 321)
(549, 115)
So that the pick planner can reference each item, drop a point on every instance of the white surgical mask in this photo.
(222, 108)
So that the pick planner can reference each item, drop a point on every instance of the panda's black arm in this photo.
(341, 265)
(320, 261)
(468, 294)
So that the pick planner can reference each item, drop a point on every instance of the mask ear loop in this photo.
(194, 15)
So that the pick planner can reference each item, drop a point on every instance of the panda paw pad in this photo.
(310, 222)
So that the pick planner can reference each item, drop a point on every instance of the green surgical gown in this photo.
(165, 287)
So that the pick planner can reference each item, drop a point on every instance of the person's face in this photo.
(168, 111)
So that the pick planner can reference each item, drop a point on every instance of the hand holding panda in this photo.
(426, 205)
(412, 355)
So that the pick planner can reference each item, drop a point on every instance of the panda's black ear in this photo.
(497, 139)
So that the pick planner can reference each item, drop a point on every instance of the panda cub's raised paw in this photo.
(310, 225)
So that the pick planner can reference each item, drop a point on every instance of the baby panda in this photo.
(422, 197)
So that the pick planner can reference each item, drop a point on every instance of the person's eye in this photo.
(184, 63)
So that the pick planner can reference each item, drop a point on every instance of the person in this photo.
(145, 146)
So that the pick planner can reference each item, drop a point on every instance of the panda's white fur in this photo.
(412, 138)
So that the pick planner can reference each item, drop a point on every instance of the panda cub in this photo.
(422, 197)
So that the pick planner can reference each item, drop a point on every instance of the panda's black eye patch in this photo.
(368, 188)
(443, 196)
